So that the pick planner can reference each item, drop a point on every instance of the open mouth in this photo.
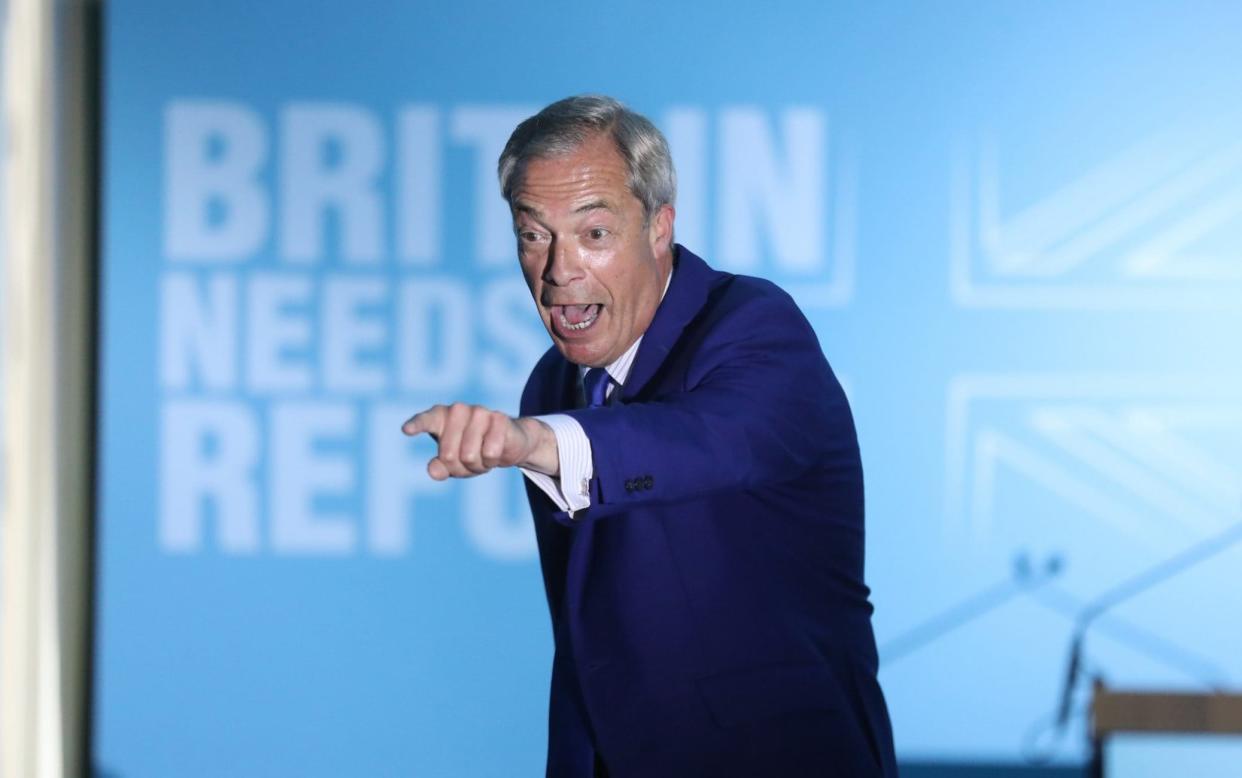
(575, 318)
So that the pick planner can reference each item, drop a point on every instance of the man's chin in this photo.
(581, 353)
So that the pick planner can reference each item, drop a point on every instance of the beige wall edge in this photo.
(48, 322)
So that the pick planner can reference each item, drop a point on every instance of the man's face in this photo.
(595, 270)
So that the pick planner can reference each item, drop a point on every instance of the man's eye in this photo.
(528, 236)
(598, 233)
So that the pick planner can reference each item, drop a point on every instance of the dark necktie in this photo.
(595, 387)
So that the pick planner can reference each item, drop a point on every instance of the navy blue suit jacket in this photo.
(709, 610)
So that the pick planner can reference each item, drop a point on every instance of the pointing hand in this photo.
(473, 439)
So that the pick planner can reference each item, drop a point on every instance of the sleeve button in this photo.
(647, 482)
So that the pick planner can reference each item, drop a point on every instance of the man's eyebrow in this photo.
(594, 205)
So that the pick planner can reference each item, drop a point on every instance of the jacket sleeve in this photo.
(758, 405)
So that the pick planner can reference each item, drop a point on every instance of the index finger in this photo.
(430, 421)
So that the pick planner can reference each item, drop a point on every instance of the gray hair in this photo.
(566, 124)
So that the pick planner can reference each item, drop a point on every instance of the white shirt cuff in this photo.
(570, 492)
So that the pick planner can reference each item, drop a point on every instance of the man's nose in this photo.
(564, 264)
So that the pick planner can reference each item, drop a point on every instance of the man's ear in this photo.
(660, 232)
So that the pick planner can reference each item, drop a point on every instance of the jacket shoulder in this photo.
(740, 303)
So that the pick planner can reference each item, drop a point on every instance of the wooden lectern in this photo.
(1160, 712)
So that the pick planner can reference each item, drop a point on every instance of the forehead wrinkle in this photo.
(573, 184)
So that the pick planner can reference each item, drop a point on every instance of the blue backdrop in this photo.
(1015, 227)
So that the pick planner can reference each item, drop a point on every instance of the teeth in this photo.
(582, 325)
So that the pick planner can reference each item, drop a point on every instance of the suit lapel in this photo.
(563, 389)
(686, 294)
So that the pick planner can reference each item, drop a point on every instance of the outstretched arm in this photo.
(760, 405)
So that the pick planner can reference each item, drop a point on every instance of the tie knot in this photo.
(595, 386)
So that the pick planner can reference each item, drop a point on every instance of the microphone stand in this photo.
(1141, 582)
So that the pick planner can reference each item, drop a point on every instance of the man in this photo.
(694, 477)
